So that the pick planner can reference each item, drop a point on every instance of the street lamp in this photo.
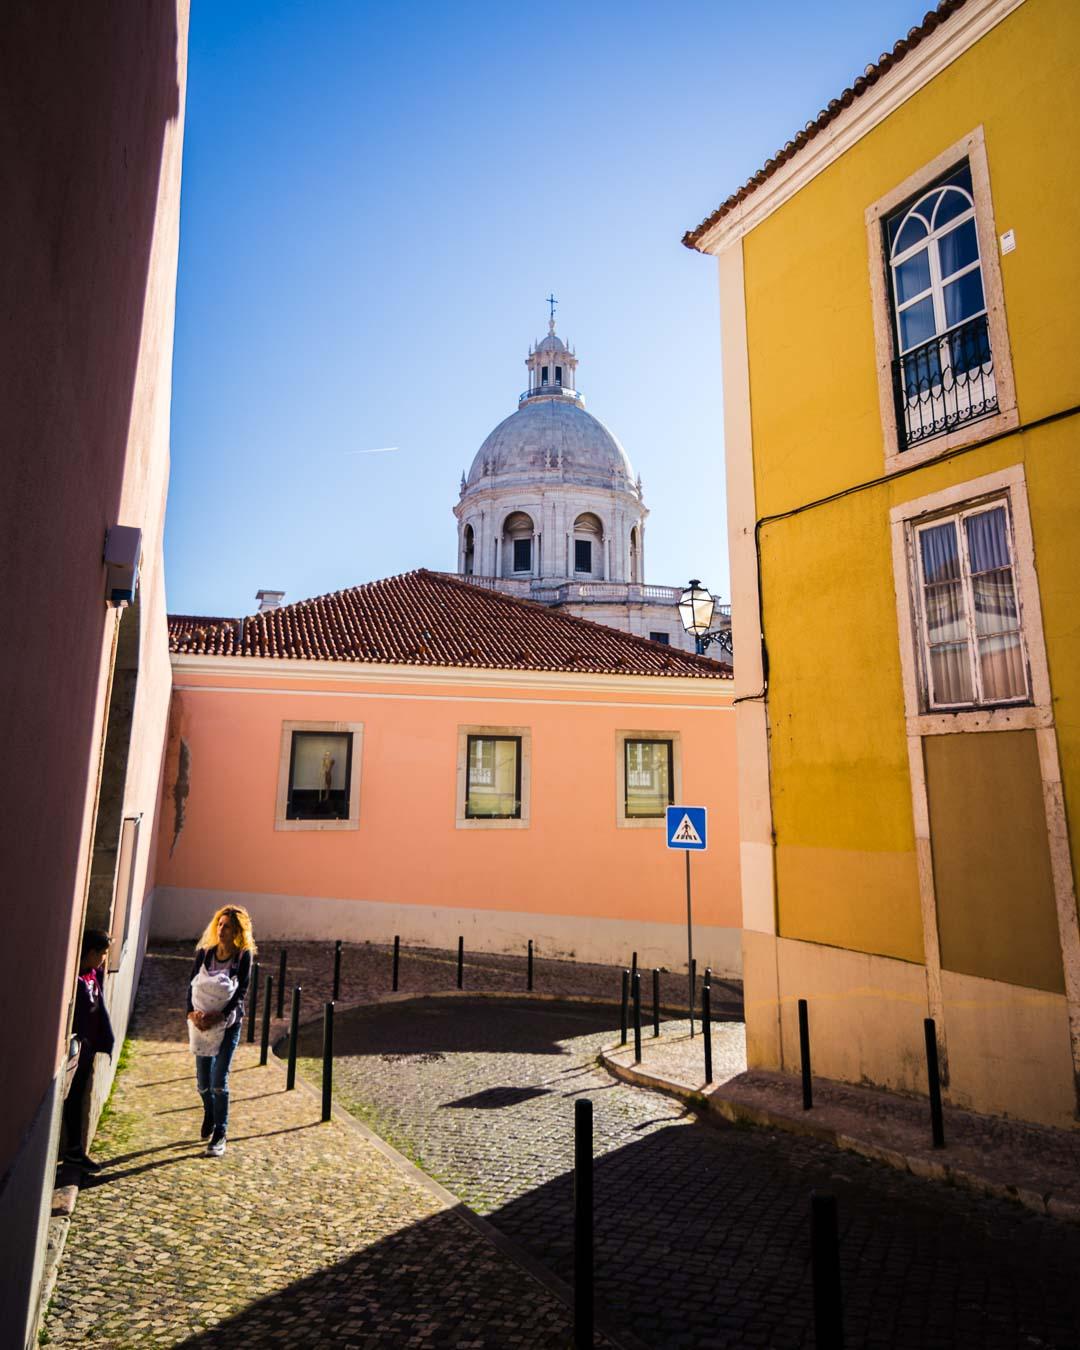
(696, 607)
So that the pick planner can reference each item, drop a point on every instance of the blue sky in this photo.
(377, 199)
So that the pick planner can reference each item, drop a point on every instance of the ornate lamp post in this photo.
(696, 607)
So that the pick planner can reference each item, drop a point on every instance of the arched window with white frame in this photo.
(944, 371)
(588, 545)
(518, 544)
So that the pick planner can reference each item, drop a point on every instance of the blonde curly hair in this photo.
(245, 939)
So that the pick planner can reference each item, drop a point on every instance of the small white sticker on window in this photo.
(1008, 241)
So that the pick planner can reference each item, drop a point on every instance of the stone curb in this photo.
(622, 1340)
(740, 1113)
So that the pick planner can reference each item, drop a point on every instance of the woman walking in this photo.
(215, 1002)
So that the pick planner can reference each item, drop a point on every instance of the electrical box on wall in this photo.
(123, 551)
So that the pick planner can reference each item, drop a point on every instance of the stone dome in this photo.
(549, 434)
(552, 343)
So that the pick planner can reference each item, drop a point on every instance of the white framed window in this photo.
(958, 636)
(944, 374)
(969, 622)
(648, 775)
(120, 926)
(934, 261)
(940, 337)
(493, 778)
(319, 776)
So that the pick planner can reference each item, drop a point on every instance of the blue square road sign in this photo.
(686, 827)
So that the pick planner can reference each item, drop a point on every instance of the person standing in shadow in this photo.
(93, 1031)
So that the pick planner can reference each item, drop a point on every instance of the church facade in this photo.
(552, 511)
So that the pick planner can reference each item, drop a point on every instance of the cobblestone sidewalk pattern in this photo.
(1036, 1165)
(702, 1229)
(303, 1235)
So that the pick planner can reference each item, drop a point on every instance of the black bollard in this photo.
(253, 1011)
(337, 970)
(397, 959)
(693, 993)
(461, 963)
(937, 1123)
(281, 983)
(825, 1265)
(530, 981)
(625, 998)
(637, 1017)
(264, 1046)
(327, 1061)
(294, 1032)
(655, 1002)
(706, 1028)
(583, 1224)
(633, 966)
(804, 1056)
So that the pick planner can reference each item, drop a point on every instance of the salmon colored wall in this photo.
(572, 860)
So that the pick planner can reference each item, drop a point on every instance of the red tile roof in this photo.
(183, 626)
(885, 62)
(427, 618)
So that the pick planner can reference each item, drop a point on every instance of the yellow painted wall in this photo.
(845, 849)
(841, 798)
(809, 323)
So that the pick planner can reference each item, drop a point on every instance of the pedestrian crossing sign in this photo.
(686, 827)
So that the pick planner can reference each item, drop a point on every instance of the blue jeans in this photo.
(212, 1077)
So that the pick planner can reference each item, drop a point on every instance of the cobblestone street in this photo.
(702, 1230)
(303, 1235)
(308, 1235)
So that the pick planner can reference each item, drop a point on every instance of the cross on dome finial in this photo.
(551, 322)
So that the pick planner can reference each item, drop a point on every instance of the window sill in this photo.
(492, 823)
(641, 822)
(1017, 717)
(324, 825)
(969, 434)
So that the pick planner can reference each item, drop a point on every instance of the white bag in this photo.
(209, 993)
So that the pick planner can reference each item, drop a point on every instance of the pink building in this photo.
(91, 139)
(424, 757)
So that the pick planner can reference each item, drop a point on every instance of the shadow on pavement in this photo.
(382, 1030)
(492, 1099)
(435, 1283)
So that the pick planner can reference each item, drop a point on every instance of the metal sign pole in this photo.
(689, 943)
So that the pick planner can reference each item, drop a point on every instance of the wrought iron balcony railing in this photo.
(945, 383)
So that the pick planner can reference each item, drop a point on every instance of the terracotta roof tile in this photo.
(425, 618)
(870, 76)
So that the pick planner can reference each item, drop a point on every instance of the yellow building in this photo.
(901, 345)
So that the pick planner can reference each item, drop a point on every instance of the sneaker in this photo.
(216, 1147)
(207, 1122)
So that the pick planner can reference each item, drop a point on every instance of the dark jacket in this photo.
(91, 1021)
(239, 969)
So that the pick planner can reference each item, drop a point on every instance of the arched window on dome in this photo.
(468, 550)
(635, 554)
(588, 545)
(518, 531)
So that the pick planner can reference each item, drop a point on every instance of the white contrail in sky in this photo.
(379, 450)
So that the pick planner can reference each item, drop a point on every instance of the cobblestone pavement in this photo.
(702, 1230)
(303, 1235)
(1037, 1165)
